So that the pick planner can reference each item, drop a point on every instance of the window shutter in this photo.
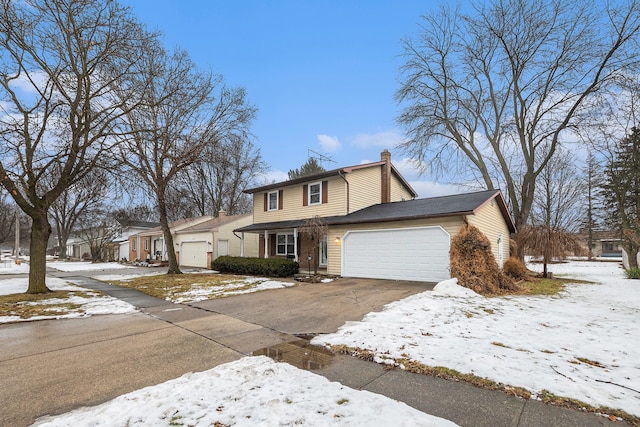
(280, 192)
(266, 201)
(325, 191)
(305, 195)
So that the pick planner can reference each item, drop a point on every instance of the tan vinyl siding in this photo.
(398, 191)
(490, 221)
(292, 203)
(451, 225)
(225, 232)
(365, 188)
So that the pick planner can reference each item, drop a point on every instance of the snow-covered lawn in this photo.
(253, 391)
(87, 302)
(9, 266)
(582, 344)
(85, 266)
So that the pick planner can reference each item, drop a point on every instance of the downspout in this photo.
(346, 182)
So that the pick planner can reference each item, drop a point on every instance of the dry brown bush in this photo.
(515, 269)
(473, 263)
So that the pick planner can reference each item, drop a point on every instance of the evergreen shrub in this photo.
(270, 267)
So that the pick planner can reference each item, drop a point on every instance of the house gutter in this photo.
(346, 182)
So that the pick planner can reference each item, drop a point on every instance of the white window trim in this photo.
(146, 244)
(319, 202)
(286, 244)
(269, 208)
(134, 246)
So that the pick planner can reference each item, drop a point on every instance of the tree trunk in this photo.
(40, 232)
(632, 255)
(168, 238)
(62, 245)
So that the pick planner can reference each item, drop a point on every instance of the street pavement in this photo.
(53, 366)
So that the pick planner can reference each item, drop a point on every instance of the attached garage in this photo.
(194, 254)
(418, 254)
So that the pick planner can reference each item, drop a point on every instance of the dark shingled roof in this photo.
(433, 207)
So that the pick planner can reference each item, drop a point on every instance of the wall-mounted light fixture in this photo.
(338, 240)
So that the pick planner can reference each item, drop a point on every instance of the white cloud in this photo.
(387, 139)
(329, 143)
(410, 168)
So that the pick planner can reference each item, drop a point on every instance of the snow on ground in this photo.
(239, 286)
(9, 266)
(248, 392)
(85, 266)
(91, 303)
(583, 343)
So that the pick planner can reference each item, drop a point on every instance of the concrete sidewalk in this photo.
(51, 367)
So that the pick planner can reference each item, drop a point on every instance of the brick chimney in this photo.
(385, 156)
(222, 213)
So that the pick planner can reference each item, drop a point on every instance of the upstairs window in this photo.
(315, 191)
(315, 194)
(273, 201)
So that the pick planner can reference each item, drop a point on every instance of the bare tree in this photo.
(497, 91)
(544, 241)
(217, 181)
(560, 197)
(184, 112)
(7, 218)
(59, 61)
(315, 229)
(85, 195)
(98, 227)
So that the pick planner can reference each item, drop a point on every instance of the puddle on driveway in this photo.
(298, 353)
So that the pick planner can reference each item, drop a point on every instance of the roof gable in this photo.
(334, 172)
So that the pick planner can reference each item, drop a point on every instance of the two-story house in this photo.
(375, 226)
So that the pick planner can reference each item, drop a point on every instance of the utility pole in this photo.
(16, 248)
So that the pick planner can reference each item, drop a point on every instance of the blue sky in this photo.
(322, 73)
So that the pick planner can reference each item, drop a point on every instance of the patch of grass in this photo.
(27, 306)
(499, 344)
(566, 402)
(171, 286)
(546, 286)
(632, 273)
(342, 401)
(590, 362)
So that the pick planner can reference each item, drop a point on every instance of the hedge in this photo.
(270, 267)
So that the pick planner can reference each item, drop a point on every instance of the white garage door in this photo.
(420, 254)
(194, 254)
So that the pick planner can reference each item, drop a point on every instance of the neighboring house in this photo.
(375, 226)
(199, 244)
(129, 228)
(604, 243)
(149, 244)
(78, 247)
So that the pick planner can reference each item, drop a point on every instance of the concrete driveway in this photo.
(314, 308)
(53, 366)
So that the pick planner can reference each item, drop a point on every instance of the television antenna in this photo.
(319, 157)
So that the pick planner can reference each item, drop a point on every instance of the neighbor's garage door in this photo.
(420, 254)
(194, 254)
